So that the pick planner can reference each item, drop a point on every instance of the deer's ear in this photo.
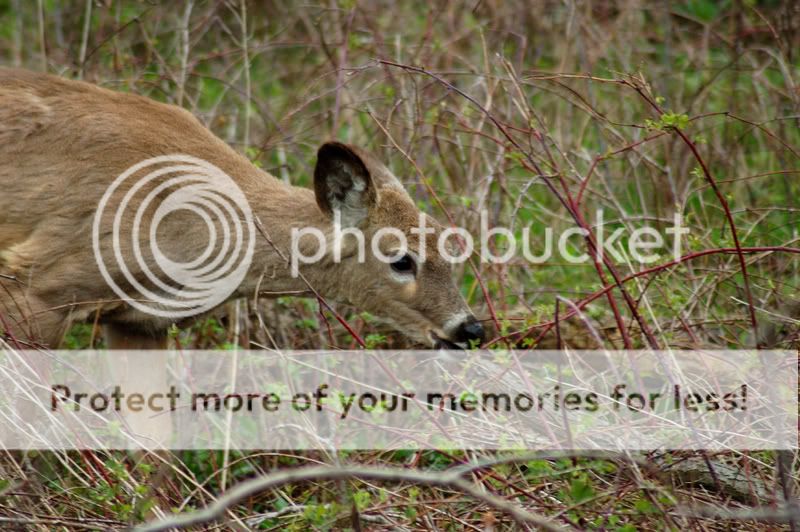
(342, 183)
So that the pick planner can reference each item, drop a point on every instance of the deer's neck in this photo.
(279, 208)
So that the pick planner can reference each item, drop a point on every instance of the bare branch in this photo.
(785, 514)
(452, 479)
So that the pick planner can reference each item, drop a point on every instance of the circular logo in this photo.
(181, 270)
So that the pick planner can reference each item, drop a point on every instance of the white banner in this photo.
(615, 400)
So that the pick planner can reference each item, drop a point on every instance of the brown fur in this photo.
(63, 142)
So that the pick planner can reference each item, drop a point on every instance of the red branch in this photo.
(655, 269)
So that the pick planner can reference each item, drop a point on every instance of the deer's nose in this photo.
(470, 330)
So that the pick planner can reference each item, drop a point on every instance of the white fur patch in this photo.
(402, 278)
(454, 321)
(352, 209)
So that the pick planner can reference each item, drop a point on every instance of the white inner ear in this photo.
(352, 209)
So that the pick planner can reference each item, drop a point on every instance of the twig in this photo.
(116, 33)
(690, 256)
(42, 44)
(185, 44)
(785, 514)
(87, 22)
(568, 204)
(478, 277)
(256, 520)
(723, 203)
(313, 290)
(784, 459)
(89, 524)
(250, 488)
(246, 67)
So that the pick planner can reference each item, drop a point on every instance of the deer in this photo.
(63, 143)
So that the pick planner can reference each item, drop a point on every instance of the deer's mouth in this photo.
(444, 343)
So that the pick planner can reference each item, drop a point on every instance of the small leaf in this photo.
(580, 489)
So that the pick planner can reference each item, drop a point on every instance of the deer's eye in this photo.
(404, 264)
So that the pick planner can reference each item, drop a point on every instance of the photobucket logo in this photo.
(495, 245)
(170, 279)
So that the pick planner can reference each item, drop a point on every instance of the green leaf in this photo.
(580, 489)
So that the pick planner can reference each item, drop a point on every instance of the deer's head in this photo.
(401, 277)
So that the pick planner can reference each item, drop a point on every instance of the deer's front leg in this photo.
(142, 373)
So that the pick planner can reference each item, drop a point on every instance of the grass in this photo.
(639, 109)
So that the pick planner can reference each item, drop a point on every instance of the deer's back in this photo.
(63, 142)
